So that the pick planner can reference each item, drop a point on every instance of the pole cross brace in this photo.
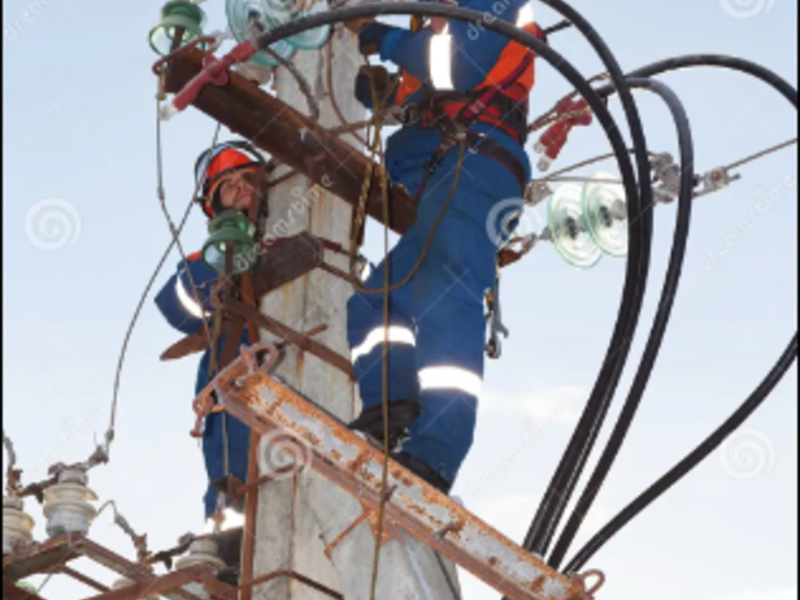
(321, 442)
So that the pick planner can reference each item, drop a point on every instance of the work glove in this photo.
(370, 37)
(380, 78)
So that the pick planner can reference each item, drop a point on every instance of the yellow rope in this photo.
(375, 147)
(384, 358)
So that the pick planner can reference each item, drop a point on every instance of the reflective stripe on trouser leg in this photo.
(365, 333)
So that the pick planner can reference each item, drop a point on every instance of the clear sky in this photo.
(82, 231)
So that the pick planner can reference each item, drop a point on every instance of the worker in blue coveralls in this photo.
(436, 322)
(231, 176)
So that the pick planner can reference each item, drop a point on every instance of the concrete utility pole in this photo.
(305, 523)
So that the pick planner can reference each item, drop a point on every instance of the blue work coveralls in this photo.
(185, 312)
(437, 323)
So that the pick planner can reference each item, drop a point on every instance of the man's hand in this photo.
(370, 37)
(356, 25)
(369, 76)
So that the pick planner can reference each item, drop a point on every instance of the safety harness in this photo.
(455, 113)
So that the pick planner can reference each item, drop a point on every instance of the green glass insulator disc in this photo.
(567, 229)
(248, 18)
(231, 229)
(605, 212)
(177, 15)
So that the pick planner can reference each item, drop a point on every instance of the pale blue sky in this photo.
(79, 127)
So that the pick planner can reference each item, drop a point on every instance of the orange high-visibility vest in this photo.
(517, 90)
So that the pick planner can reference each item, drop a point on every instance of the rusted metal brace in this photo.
(323, 244)
(203, 405)
(287, 333)
(292, 575)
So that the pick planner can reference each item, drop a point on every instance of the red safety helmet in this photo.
(214, 164)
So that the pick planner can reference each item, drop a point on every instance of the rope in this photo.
(388, 288)
(379, 106)
(335, 104)
(428, 243)
(146, 292)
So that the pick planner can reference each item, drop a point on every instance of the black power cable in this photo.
(665, 305)
(689, 463)
(769, 383)
(640, 222)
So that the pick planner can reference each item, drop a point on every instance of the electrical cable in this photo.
(751, 404)
(665, 305)
(691, 461)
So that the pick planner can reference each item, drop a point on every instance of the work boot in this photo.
(422, 470)
(402, 415)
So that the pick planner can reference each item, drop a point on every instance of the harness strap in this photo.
(474, 109)
(484, 145)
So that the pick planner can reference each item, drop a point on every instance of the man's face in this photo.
(240, 189)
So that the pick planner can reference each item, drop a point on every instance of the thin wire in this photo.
(12, 482)
(346, 126)
(162, 197)
(120, 521)
(585, 180)
(9, 446)
(450, 583)
(45, 582)
(574, 167)
(766, 152)
(212, 337)
(730, 167)
(302, 83)
(137, 312)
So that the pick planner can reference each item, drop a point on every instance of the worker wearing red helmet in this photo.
(230, 177)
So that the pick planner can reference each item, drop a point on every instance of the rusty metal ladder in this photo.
(321, 442)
